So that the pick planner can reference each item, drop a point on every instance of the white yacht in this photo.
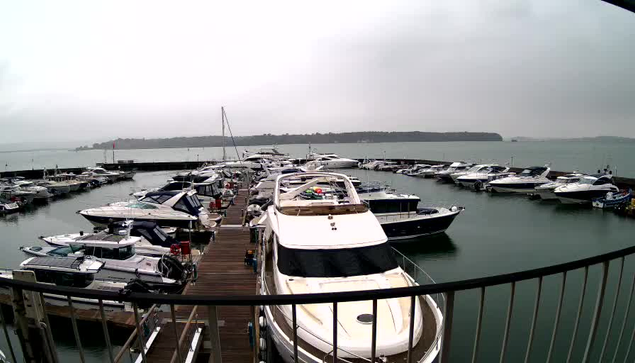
(112, 176)
(166, 208)
(77, 272)
(586, 189)
(546, 191)
(122, 263)
(148, 237)
(331, 161)
(525, 182)
(456, 167)
(483, 175)
(335, 244)
(471, 170)
(41, 193)
(431, 171)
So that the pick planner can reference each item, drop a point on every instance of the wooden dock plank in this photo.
(221, 272)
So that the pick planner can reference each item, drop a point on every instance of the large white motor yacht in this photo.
(585, 190)
(166, 208)
(456, 167)
(525, 182)
(335, 244)
(331, 161)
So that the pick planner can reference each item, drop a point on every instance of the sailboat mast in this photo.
(222, 114)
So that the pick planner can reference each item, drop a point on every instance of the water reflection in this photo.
(440, 245)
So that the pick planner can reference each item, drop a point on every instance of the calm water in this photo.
(496, 234)
(564, 155)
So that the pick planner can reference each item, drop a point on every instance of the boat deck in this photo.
(221, 272)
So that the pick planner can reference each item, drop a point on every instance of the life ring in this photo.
(175, 249)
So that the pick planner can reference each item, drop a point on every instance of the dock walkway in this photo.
(221, 272)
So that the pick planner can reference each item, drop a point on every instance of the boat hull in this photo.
(514, 187)
(104, 221)
(399, 228)
(580, 197)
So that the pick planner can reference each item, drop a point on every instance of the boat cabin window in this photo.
(140, 205)
(158, 198)
(155, 236)
(602, 181)
(122, 253)
(336, 262)
(59, 278)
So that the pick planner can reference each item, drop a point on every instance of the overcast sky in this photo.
(93, 71)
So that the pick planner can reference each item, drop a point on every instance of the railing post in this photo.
(294, 320)
(557, 319)
(142, 344)
(214, 335)
(104, 326)
(411, 328)
(6, 335)
(479, 319)
(508, 322)
(335, 332)
(373, 339)
(597, 313)
(176, 334)
(617, 297)
(448, 317)
(534, 320)
(577, 320)
(78, 340)
(626, 315)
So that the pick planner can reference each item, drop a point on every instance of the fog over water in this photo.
(86, 72)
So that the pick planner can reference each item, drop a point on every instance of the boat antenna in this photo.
(226, 120)
(222, 115)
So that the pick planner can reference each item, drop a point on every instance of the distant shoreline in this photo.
(287, 139)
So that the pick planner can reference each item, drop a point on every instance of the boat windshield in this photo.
(587, 180)
(140, 205)
(342, 262)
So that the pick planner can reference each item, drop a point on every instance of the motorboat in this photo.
(482, 175)
(122, 263)
(332, 161)
(70, 179)
(400, 216)
(166, 208)
(613, 200)
(473, 169)
(546, 191)
(584, 191)
(525, 182)
(56, 188)
(8, 207)
(390, 166)
(112, 176)
(201, 174)
(431, 171)
(17, 194)
(149, 239)
(72, 271)
(40, 193)
(370, 164)
(445, 175)
(335, 244)
(416, 169)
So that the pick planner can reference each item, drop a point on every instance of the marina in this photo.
(223, 270)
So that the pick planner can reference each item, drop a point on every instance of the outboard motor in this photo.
(170, 267)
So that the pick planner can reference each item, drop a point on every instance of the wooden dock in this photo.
(221, 271)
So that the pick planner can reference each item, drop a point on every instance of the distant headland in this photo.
(316, 138)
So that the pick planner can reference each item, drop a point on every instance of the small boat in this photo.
(123, 264)
(525, 182)
(584, 191)
(112, 176)
(346, 250)
(8, 207)
(546, 191)
(613, 200)
(75, 271)
(41, 193)
(430, 172)
(148, 238)
(70, 179)
(474, 169)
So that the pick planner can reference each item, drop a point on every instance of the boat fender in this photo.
(263, 344)
(262, 322)
(194, 272)
(175, 249)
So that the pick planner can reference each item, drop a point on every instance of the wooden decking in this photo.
(221, 272)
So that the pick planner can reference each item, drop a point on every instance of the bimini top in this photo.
(318, 193)
(63, 264)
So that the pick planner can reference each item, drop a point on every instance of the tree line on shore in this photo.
(315, 138)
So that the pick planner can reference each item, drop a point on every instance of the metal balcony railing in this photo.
(596, 348)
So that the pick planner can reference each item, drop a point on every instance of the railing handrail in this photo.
(251, 300)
